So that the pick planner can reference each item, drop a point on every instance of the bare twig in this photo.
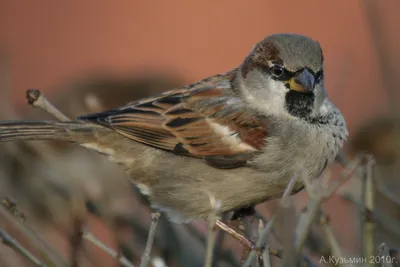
(308, 185)
(313, 206)
(344, 176)
(76, 241)
(330, 237)
(243, 240)
(12, 207)
(7, 240)
(215, 205)
(150, 240)
(305, 221)
(265, 255)
(307, 217)
(367, 224)
(253, 233)
(37, 100)
(240, 238)
(264, 234)
(121, 259)
(51, 257)
(219, 239)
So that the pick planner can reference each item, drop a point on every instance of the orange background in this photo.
(50, 41)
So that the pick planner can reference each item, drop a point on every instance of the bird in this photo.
(239, 136)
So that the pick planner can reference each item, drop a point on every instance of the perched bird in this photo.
(239, 136)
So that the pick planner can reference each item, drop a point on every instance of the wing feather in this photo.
(208, 122)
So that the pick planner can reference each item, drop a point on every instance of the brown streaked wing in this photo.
(142, 120)
(199, 122)
(211, 122)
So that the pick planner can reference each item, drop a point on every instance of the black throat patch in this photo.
(299, 104)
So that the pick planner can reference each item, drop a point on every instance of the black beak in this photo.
(303, 82)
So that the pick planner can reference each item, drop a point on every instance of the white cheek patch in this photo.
(278, 90)
(273, 99)
(264, 94)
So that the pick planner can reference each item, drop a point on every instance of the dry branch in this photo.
(121, 259)
(215, 207)
(150, 239)
(7, 240)
(264, 234)
(367, 224)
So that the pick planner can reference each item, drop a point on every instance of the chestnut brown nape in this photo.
(263, 52)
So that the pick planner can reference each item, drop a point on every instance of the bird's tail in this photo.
(45, 130)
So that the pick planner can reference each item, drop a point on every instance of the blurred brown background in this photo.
(49, 43)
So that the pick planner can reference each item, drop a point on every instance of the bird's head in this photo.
(284, 74)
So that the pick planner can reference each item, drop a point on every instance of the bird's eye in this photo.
(277, 71)
(319, 76)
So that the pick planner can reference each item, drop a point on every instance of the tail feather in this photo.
(43, 130)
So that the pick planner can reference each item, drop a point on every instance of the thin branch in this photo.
(150, 240)
(36, 99)
(252, 233)
(215, 206)
(7, 240)
(367, 224)
(75, 241)
(308, 185)
(306, 220)
(193, 237)
(121, 259)
(265, 255)
(264, 234)
(85, 235)
(330, 237)
(238, 237)
(51, 257)
(344, 176)
(219, 239)
(313, 205)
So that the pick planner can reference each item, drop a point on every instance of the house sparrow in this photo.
(240, 136)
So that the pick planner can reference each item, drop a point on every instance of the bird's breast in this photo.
(296, 148)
